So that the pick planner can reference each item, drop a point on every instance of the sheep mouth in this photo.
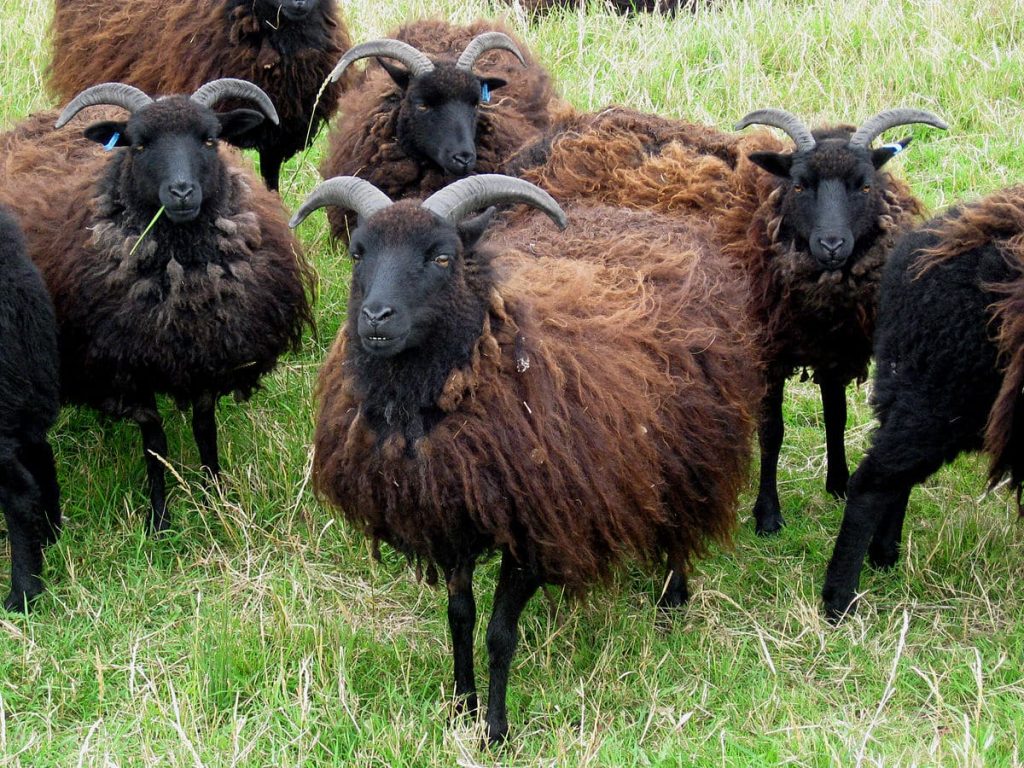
(379, 344)
(183, 215)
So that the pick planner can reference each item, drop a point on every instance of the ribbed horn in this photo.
(890, 118)
(348, 192)
(488, 41)
(416, 61)
(786, 121)
(233, 88)
(475, 192)
(116, 94)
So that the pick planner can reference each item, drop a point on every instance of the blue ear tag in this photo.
(113, 141)
(485, 93)
(896, 148)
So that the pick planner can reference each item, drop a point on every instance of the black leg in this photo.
(884, 550)
(19, 497)
(676, 593)
(461, 621)
(767, 513)
(154, 447)
(833, 402)
(516, 586)
(38, 459)
(270, 168)
(204, 429)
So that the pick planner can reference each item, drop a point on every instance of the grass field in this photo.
(262, 633)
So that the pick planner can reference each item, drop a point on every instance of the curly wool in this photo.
(363, 142)
(585, 426)
(191, 44)
(207, 307)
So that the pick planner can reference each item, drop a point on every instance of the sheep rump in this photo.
(544, 445)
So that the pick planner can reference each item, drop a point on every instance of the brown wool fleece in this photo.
(605, 413)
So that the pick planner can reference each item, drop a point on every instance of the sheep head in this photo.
(413, 260)
(171, 158)
(440, 101)
(832, 197)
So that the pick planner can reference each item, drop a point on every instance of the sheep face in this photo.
(293, 10)
(832, 195)
(437, 119)
(171, 158)
(409, 268)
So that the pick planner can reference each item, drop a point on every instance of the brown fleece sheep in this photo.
(195, 310)
(365, 140)
(625, 7)
(579, 399)
(174, 47)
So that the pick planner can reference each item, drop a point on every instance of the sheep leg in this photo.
(154, 447)
(516, 586)
(270, 167)
(204, 429)
(675, 593)
(767, 514)
(38, 459)
(884, 550)
(19, 497)
(833, 403)
(461, 621)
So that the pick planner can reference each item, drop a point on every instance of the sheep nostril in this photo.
(181, 190)
(832, 244)
(377, 315)
(464, 159)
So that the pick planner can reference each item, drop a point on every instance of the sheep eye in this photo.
(210, 142)
(798, 187)
(422, 108)
(442, 259)
(866, 188)
(139, 147)
(356, 255)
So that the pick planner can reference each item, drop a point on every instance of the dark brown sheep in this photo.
(284, 46)
(572, 400)
(393, 133)
(201, 306)
(812, 235)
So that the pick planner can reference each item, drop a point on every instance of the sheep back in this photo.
(175, 47)
(605, 411)
(363, 142)
(188, 312)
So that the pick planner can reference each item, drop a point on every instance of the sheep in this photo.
(624, 7)
(812, 235)
(201, 306)
(949, 352)
(287, 47)
(29, 403)
(559, 398)
(411, 131)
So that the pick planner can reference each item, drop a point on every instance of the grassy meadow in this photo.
(262, 633)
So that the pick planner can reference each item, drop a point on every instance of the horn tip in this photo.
(296, 219)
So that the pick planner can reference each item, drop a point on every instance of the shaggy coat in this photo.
(581, 424)
(175, 47)
(363, 142)
(949, 377)
(625, 7)
(29, 402)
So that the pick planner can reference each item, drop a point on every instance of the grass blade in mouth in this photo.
(145, 232)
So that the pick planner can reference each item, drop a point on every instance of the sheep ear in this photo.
(109, 133)
(238, 122)
(471, 230)
(887, 152)
(775, 163)
(399, 75)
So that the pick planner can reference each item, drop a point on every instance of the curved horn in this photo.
(488, 41)
(787, 121)
(475, 192)
(890, 118)
(117, 94)
(348, 192)
(413, 58)
(233, 88)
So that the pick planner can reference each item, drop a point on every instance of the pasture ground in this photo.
(262, 633)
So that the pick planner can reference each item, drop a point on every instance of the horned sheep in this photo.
(29, 402)
(558, 398)
(287, 47)
(200, 305)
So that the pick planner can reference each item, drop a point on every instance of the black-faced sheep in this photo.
(287, 47)
(411, 130)
(201, 306)
(561, 398)
(29, 402)
(812, 235)
(949, 355)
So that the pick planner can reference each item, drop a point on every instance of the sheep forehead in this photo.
(402, 223)
(833, 158)
(446, 82)
(174, 114)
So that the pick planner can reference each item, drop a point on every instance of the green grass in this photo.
(262, 633)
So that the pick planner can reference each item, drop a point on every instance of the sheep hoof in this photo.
(465, 705)
(497, 734)
(19, 601)
(837, 606)
(837, 486)
(768, 524)
(884, 556)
